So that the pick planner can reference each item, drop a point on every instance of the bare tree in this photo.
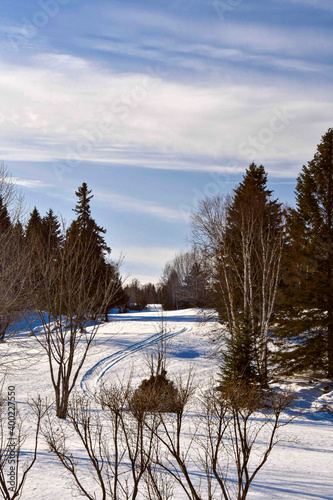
(230, 440)
(71, 292)
(184, 280)
(13, 435)
(245, 259)
(14, 261)
(240, 427)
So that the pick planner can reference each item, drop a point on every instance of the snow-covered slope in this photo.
(299, 468)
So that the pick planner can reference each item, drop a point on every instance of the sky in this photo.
(156, 104)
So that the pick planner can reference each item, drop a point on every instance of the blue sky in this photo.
(157, 103)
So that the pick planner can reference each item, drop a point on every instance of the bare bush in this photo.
(13, 436)
(115, 441)
(134, 453)
(241, 427)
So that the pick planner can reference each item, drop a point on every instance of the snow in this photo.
(300, 467)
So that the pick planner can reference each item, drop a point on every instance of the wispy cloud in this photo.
(147, 255)
(147, 207)
(44, 117)
(30, 183)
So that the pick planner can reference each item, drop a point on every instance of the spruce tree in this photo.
(239, 355)
(85, 226)
(51, 229)
(34, 231)
(249, 276)
(306, 316)
(86, 236)
(5, 222)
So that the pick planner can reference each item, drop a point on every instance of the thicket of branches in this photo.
(134, 453)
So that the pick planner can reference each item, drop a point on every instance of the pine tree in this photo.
(306, 317)
(194, 290)
(18, 232)
(86, 236)
(51, 229)
(5, 223)
(85, 227)
(34, 231)
(252, 198)
(239, 355)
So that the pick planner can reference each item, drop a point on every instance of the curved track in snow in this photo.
(94, 375)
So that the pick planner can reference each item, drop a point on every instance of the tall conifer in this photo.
(306, 317)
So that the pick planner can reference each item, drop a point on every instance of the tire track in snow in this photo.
(95, 374)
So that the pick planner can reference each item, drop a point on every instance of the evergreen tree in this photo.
(306, 316)
(18, 232)
(195, 288)
(84, 227)
(239, 356)
(51, 228)
(248, 256)
(118, 296)
(171, 291)
(5, 223)
(251, 200)
(87, 237)
(34, 231)
(34, 249)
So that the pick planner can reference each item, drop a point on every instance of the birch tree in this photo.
(242, 236)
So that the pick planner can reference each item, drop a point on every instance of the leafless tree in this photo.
(230, 440)
(13, 435)
(240, 428)
(184, 280)
(245, 265)
(14, 261)
(70, 293)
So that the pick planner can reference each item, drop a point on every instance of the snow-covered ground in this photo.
(300, 467)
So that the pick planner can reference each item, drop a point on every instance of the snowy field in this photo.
(300, 467)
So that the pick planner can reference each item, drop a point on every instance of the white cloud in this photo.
(150, 256)
(58, 109)
(29, 183)
(129, 204)
(149, 259)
